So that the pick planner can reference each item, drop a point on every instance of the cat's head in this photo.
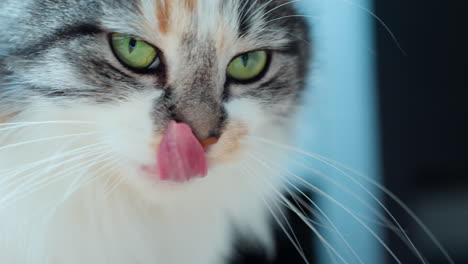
(231, 70)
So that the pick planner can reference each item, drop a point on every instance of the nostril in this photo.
(214, 134)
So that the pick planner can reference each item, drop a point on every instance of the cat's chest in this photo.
(87, 229)
(143, 237)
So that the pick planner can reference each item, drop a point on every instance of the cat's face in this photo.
(230, 69)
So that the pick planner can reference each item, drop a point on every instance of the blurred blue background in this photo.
(340, 123)
(386, 97)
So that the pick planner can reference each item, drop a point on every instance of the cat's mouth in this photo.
(181, 156)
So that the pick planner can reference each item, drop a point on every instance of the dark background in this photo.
(423, 119)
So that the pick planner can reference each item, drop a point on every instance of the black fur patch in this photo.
(248, 252)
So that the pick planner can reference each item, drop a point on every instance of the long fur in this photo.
(76, 126)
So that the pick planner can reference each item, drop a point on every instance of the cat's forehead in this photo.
(197, 17)
(221, 21)
(165, 8)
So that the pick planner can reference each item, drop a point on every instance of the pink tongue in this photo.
(180, 156)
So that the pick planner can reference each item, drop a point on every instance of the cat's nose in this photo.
(209, 141)
(205, 121)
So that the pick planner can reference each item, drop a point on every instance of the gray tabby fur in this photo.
(56, 64)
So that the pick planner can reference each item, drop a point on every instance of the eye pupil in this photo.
(246, 67)
(245, 59)
(132, 45)
(134, 52)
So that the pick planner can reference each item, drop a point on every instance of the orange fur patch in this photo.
(163, 13)
(229, 144)
(209, 141)
(3, 119)
(156, 142)
(191, 5)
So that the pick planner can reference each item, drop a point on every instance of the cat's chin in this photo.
(153, 173)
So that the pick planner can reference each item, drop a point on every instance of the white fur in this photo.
(101, 207)
(141, 221)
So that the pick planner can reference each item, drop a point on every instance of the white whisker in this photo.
(379, 186)
(76, 185)
(301, 250)
(47, 139)
(72, 188)
(85, 170)
(257, 11)
(372, 232)
(394, 198)
(305, 220)
(301, 203)
(279, 6)
(380, 21)
(25, 189)
(25, 167)
(294, 241)
(284, 17)
(347, 191)
(118, 182)
(48, 122)
(315, 205)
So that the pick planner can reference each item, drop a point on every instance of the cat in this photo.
(128, 127)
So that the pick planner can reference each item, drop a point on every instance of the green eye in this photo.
(134, 53)
(248, 66)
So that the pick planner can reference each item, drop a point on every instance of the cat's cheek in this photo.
(247, 111)
(246, 119)
(257, 126)
(231, 145)
(129, 129)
